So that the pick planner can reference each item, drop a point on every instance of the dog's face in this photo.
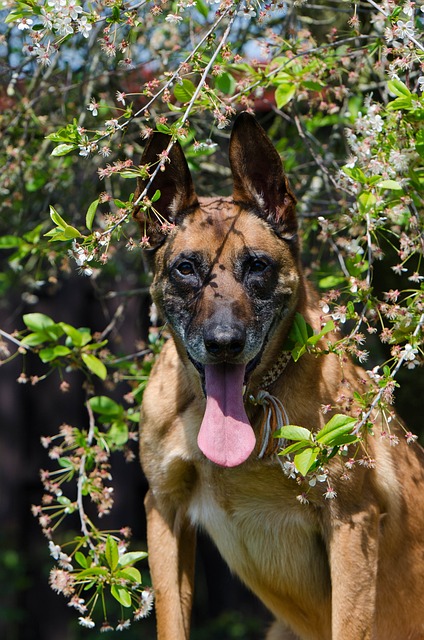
(228, 272)
(223, 280)
(226, 276)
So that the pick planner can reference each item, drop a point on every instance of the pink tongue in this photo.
(225, 435)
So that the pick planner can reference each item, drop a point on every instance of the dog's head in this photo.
(226, 276)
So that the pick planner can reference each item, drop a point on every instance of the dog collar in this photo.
(276, 370)
(274, 413)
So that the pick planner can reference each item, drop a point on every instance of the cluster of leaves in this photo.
(344, 104)
(303, 339)
(107, 568)
(79, 347)
(96, 563)
(312, 451)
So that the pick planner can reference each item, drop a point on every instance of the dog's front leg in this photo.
(171, 544)
(353, 559)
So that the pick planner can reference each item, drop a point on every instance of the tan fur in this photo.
(351, 568)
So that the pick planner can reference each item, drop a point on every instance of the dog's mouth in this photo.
(226, 436)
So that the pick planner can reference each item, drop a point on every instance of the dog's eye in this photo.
(257, 266)
(185, 268)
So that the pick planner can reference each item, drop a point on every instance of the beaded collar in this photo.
(274, 413)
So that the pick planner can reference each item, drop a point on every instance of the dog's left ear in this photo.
(259, 179)
(175, 184)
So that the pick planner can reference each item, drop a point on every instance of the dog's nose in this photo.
(224, 340)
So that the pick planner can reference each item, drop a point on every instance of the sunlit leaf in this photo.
(95, 365)
(121, 594)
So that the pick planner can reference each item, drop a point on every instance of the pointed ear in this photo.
(175, 184)
(258, 174)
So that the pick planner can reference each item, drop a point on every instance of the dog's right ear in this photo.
(173, 180)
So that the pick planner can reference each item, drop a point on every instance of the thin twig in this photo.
(82, 476)
(131, 356)
(112, 324)
(14, 340)
(127, 293)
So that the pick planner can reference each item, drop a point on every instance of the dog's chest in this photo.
(267, 538)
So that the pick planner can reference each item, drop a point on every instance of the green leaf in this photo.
(398, 88)
(367, 200)
(10, 242)
(328, 282)
(81, 559)
(390, 184)
(91, 572)
(95, 345)
(305, 460)
(118, 434)
(33, 236)
(284, 93)
(37, 321)
(57, 219)
(329, 326)
(300, 330)
(312, 85)
(344, 439)
(225, 83)
(91, 212)
(202, 8)
(105, 406)
(419, 142)
(70, 233)
(355, 173)
(184, 92)
(293, 432)
(77, 337)
(130, 573)
(112, 553)
(134, 417)
(95, 365)
(35, 339)
(51, 353)
(399, 103)
(162, 128)
(63, 149)
(15, 14)
(121, 594)
(66, 463)
(339, 424)
(296, 446)
(131, 558)
(299, 335)
(56, 235)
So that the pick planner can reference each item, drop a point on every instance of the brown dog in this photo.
(228, 282)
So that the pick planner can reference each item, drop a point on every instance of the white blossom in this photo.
(173, 18)
(84, 27)
(55, 550)
(25, 23)
(86, 622)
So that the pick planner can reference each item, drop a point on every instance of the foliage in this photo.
(96, 560)
(340, 90)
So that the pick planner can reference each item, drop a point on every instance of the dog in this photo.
(228, 282)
